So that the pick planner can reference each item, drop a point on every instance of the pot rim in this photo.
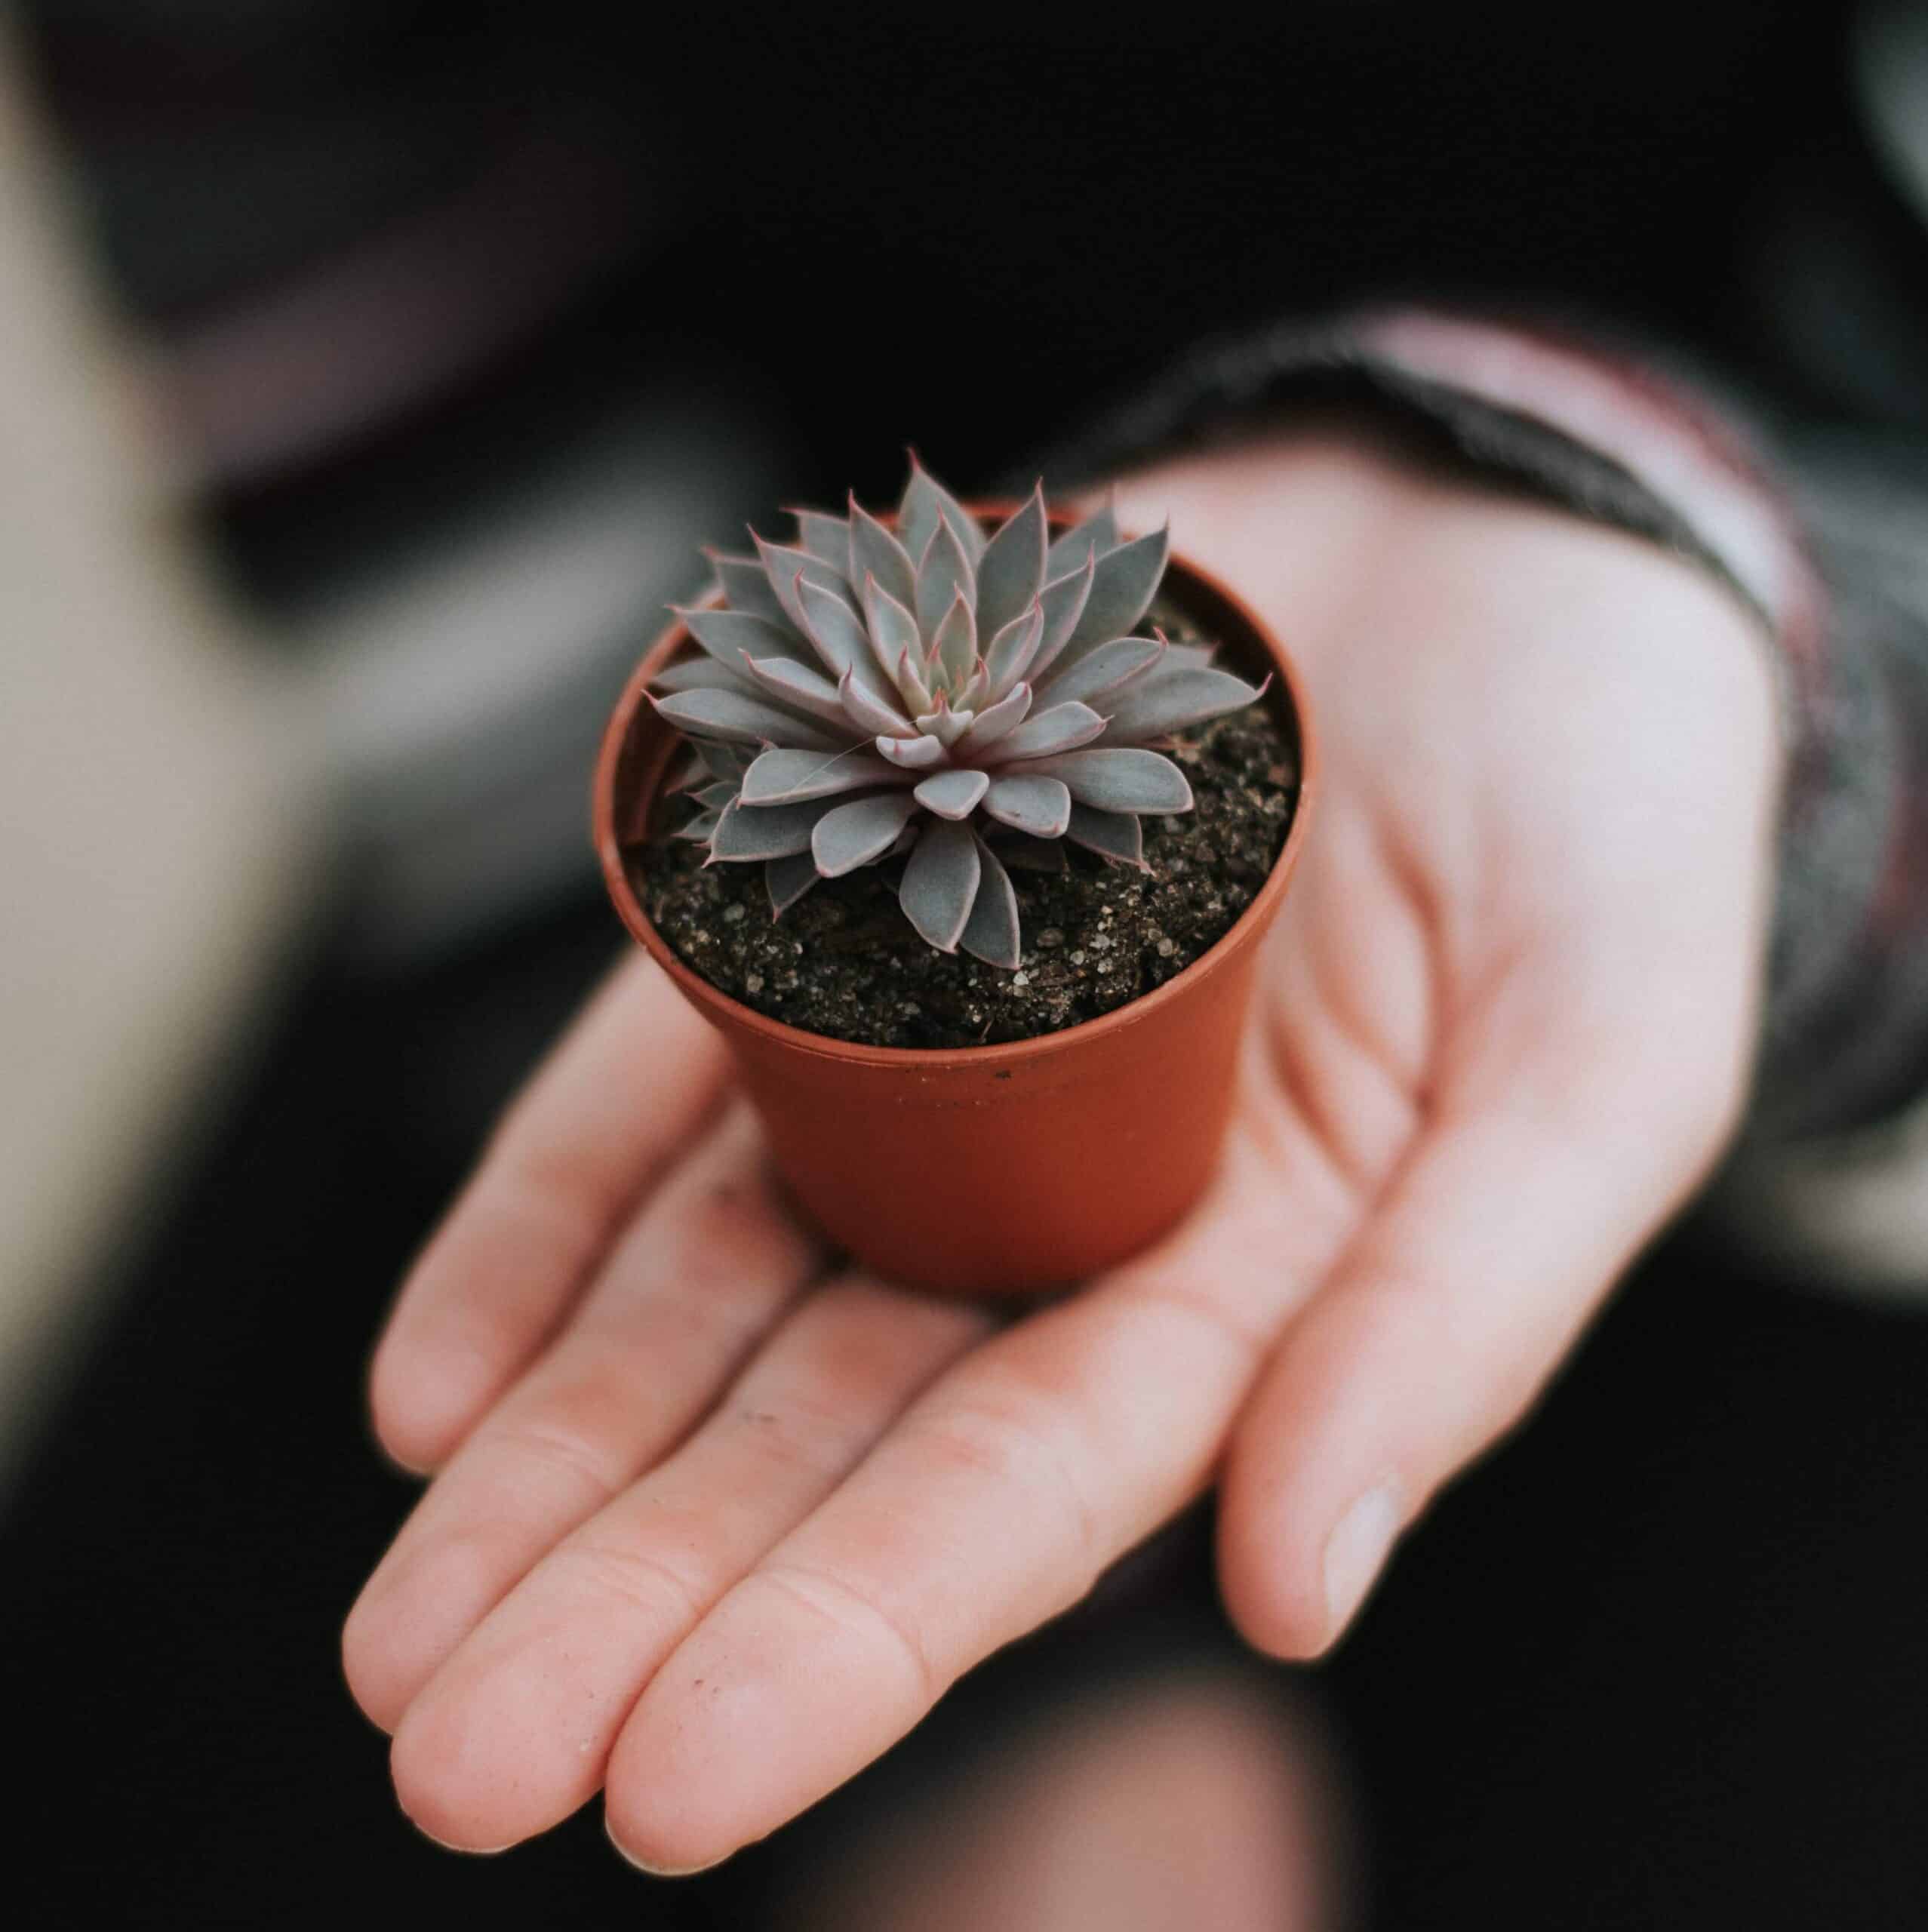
(1244, 930)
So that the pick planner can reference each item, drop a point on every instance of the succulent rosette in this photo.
(933, 692)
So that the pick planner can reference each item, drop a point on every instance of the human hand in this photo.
(711, 1527)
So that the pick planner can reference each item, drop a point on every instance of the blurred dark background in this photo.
(456, 329)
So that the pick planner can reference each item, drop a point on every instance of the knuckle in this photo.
(733, 1234)
(871, 1349)
(539, 1202)
(978, 1442)
(637, 1578)
(795, 1431)
(1236, 1332)
(1006, 1441)
(566, 1450)
(857, 1612)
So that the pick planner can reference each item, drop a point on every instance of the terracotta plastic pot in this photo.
(994, 1170)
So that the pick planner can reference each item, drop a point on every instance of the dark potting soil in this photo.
(844, 960)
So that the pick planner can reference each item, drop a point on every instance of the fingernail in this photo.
(643, 1865)
(1356, 1550)
(462, 1850)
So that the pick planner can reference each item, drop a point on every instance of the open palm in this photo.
(714, 1522)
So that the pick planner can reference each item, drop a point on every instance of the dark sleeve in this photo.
(1838, 1123)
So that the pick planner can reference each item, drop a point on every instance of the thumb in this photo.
(1552, 1153)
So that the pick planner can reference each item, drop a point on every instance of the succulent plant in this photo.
(864, 692)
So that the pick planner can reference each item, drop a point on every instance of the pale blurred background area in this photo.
(157, 838)
(334, 508)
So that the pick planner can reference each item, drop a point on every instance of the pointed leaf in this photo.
(746, 588)
(1120, 781)
(926, 503)
(782, 568)
(940, 882)
(807, 690)
(875, 715)
(1039, 806)
(956, 641)
(991, 932)
(766, 832)
(699, 829)
(1172, 701)
(971, 696)
(722, 761)
(1011, 571)
(699, 674)
(1191, 656)
(691, 777)
(1061, 728)
(742, 719)
(840, 639)
(918, 753)
(848, 836)
(1118, 835)
(969, 533)
(995, 724)
(943, 573)
(892, 629)
(827, 538)
(718, 793)
(1097, 536)
(1103, 671)
(782, 777)
(1122, 587)
(911, 688)
(953, 793)
(1063, 601)
(1008, 658)
(875, 552)
(787, 879)
(943, 723)
(728, 635)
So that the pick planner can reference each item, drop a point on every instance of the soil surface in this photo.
(844, 960)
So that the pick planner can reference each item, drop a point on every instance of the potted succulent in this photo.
(963, 825)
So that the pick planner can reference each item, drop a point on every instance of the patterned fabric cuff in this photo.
(1844, 1199)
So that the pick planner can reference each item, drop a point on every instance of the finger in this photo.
(1539, 1176)
(627, 1088)
(994, 1504)
(513, 1733)
(687, 1293)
